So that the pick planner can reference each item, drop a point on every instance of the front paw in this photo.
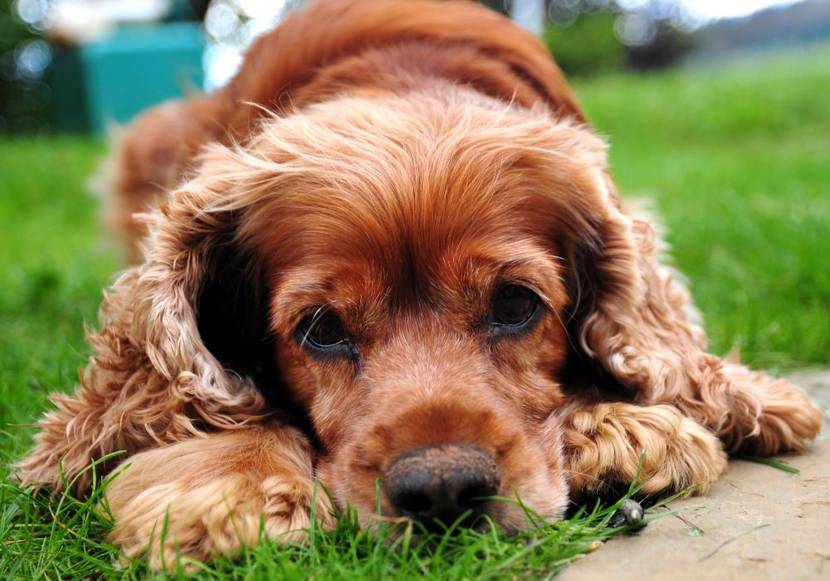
(185, 522)
(609, 445)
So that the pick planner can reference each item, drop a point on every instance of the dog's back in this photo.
(331, 48)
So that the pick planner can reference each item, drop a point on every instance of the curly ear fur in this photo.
(636, 322)
(152, 380)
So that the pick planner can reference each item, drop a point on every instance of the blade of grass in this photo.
(772, 463)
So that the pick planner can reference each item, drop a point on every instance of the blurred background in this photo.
(75, 65)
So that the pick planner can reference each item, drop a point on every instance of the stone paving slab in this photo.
(817, 384)
(758, 522)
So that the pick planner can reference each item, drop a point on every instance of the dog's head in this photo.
(414, 276)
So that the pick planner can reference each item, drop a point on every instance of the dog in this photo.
(390, 250)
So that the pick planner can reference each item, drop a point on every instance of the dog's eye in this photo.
(324, 332)
(513, 307)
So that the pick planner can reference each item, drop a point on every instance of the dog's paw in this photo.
(212, 495)
(177, 523)
(609, 445)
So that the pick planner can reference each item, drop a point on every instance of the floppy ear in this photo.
(636, 326)
(629, 315)
(183, 341)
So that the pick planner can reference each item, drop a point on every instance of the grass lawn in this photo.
(738, 161)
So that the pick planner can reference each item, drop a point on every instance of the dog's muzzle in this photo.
(441, 486)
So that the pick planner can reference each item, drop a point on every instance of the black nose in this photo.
(439, 485)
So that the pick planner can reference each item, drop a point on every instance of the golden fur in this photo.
(408, 167)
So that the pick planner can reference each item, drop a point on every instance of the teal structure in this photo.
(119, 76)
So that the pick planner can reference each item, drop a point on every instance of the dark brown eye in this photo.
(323, 331)
(513, 307)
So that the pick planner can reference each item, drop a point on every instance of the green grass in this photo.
(64, 540)
(737, 160)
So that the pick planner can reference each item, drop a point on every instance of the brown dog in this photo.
(397, 255)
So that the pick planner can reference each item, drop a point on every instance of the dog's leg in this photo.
(608, 445)
(211, 495)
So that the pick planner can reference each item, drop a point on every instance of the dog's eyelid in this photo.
(531, 285)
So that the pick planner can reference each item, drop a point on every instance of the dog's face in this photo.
(431, 323)
(413, 254)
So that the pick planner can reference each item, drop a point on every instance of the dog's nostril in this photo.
(442, 484)
(475, 495)
(413, 502)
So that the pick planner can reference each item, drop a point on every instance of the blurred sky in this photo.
(710, 9)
